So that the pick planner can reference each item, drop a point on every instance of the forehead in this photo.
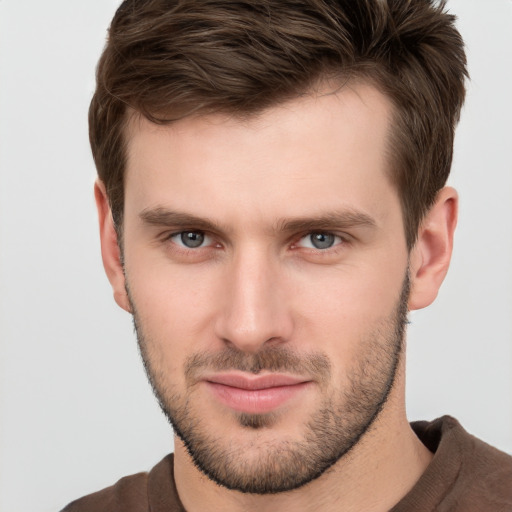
(329, 147)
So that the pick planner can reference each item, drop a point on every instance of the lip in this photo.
(255, 394)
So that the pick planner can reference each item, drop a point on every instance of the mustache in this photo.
(272, 359)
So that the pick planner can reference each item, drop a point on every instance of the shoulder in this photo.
(480, 475)
(127, 495)
(130, 494)
(445, 436)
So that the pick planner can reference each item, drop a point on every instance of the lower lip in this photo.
(255, 401)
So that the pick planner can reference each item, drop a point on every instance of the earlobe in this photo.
(430, 257)
(110, 251)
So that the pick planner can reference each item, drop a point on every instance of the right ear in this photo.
(110, 251)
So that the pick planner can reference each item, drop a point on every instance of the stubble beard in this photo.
(340, 422)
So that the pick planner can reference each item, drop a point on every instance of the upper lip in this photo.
(255, 382)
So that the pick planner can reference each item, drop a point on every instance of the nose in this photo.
(254, 310)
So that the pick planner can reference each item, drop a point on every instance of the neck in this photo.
(383, 466)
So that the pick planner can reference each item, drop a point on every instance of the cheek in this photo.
(174, 303)
(344, 307)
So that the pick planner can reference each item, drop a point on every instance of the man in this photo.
(272, 203)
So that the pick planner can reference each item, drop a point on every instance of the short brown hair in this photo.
(167, 59)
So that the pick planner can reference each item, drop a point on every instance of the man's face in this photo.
(266, 266)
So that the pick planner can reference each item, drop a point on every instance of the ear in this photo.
(430, 257)
(110, 251)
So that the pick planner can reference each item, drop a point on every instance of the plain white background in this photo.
(75, 410)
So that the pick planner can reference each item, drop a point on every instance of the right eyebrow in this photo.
(168, 218)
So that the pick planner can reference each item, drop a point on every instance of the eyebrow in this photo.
(343, 219)
(166, 218)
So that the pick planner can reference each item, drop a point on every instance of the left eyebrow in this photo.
(340, 220)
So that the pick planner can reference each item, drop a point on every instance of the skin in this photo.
(255, 286)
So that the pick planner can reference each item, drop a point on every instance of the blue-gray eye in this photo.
(319, 240)
(322, 240)
(189, 239)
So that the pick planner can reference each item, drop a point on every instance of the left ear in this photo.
(430, 256)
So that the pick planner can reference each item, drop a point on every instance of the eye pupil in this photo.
(192, 238)
(322, 240)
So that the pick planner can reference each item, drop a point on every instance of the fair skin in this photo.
(253, 191)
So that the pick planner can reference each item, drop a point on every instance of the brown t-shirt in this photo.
(465, 475)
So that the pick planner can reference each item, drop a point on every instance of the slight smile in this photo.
(255, 394)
